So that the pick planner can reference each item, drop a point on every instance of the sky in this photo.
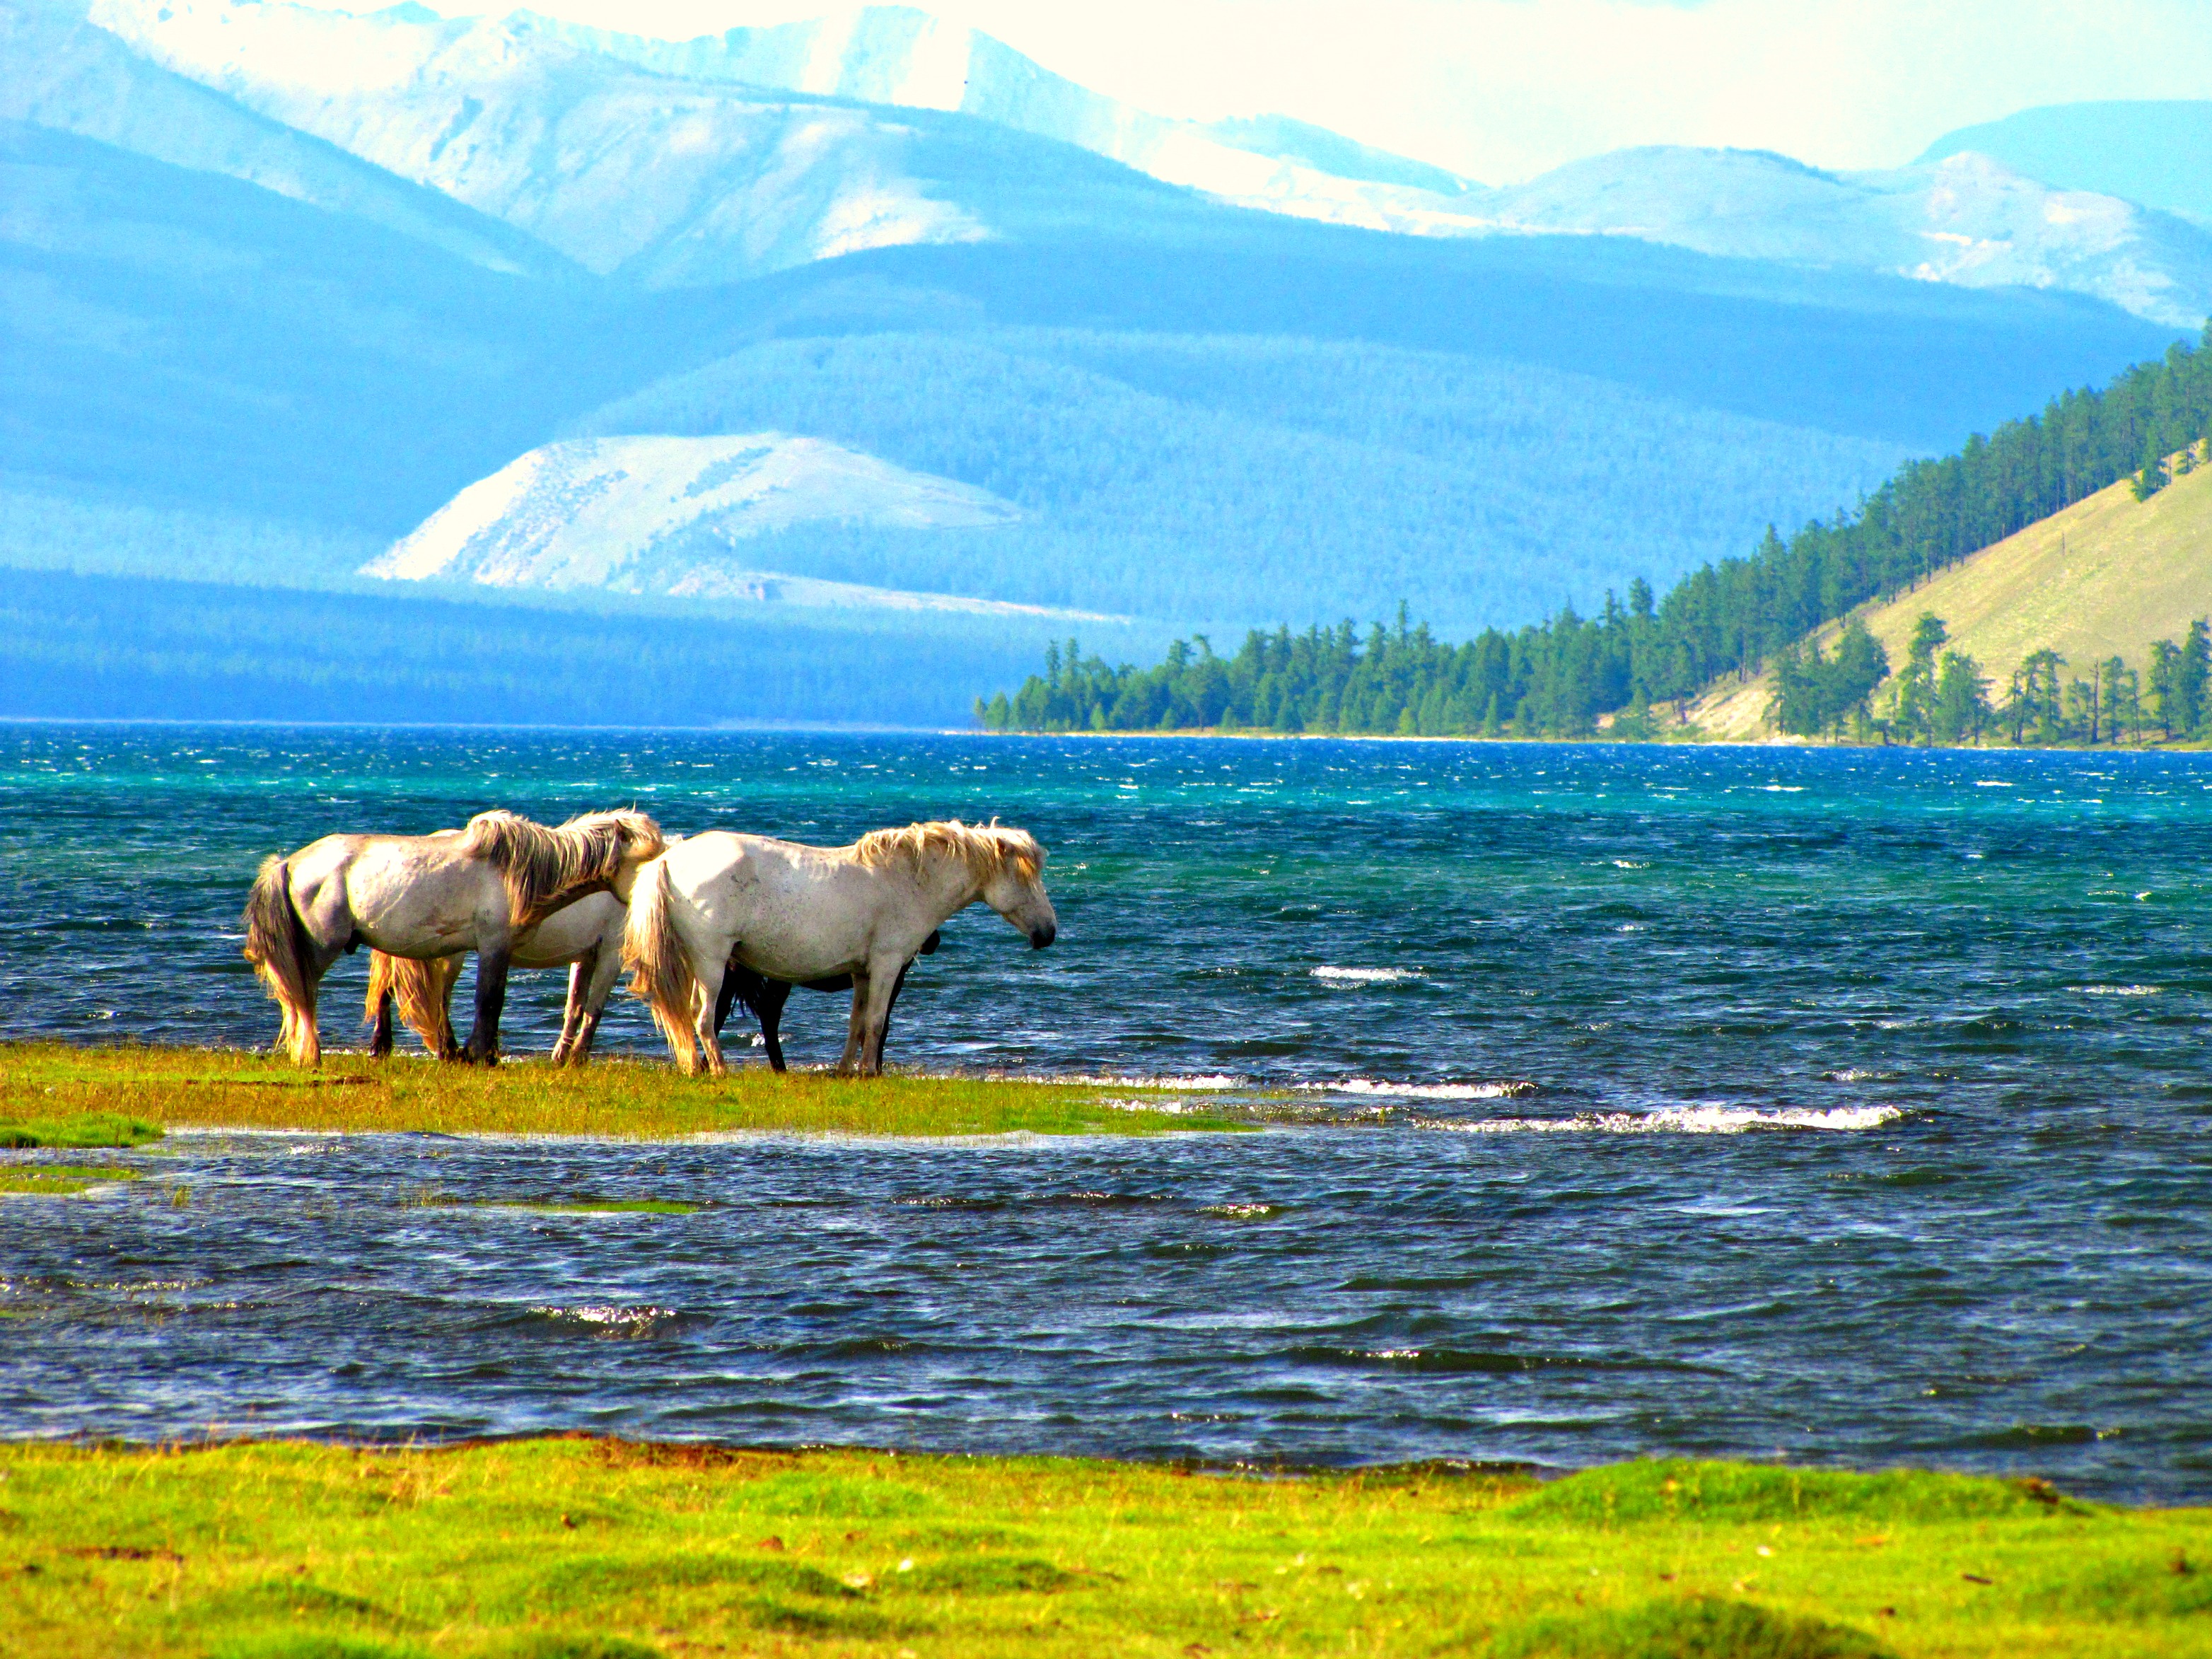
(1500, 90)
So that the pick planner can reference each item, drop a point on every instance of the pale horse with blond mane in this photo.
(797, 914)
(430, 896)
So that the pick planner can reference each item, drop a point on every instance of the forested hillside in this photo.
(1154, 470)
(1556, 678)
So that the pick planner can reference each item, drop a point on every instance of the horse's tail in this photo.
(422, 993)
(660, 970)
(274, 941)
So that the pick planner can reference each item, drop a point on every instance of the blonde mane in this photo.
(541, 864)
(985, 848)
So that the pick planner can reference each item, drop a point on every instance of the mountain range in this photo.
(406, 308)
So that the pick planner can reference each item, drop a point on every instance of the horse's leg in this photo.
(607, 967)
(882, 989)
(856, 1025)
(774, 994)
(440, 1038)
(884, 1032)
(483, 1046)
(379, 1030)
(702, 1023)
(321, 929)
(572, 1010)
(734, 979)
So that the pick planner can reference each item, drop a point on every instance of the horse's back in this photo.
(594, 920)
(794, 912)
(412, 896)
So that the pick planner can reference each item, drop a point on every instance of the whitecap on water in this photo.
(1365, 975)
(1216, 1080)
(2118, 990)
(1677, 1119)
(1364, 1085)
(616, 1320)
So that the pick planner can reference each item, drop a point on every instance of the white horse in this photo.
(585, 937)
(798, 913)
(430, 895)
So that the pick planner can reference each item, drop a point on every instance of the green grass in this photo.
(58, 1180)
(50, 1092)
(79, 1131)
(575, 1547)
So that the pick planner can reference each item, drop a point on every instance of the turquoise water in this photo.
(1844, 1106)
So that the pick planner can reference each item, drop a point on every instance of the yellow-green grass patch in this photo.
(65, 1089)
(547, 1546)
(57, 1180)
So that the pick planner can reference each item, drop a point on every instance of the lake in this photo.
(1844, 1106)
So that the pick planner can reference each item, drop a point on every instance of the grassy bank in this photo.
(574, 1547)
(56, 1095)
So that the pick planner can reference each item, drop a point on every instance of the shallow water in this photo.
(1844, 1106)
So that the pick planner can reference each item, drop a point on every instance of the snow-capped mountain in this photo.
(723, 157)
(1964, 220)
(467, 105)
(58, 71)
(621, 170)
(669, 516)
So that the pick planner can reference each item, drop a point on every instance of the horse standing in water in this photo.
(798, 913)
(584, 936)
(430, 895)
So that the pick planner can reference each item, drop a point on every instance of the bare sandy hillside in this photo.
(2104, 578)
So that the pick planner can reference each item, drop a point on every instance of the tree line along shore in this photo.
(1633, 671)
(1404, 683)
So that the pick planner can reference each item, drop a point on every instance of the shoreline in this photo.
(1599, 740)
(576, 1546)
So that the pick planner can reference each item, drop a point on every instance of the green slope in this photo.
(2104, 578)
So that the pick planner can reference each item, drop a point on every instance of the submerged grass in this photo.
(572, 1547)
(60, 1180)
(50, 1092)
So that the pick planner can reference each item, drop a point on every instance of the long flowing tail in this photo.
(422, 991)
(272, 946)
(661, 971)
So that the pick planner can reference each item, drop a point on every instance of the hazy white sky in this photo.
(1502, 89)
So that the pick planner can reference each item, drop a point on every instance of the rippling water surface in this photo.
(1844, 1106)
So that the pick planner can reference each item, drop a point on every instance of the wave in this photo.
(1363, 1086)
(1675, 1120)
(1213, 1080)
(646, 1321)
(2118, 990)
(1365, 975)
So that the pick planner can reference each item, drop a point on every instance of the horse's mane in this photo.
(985, 848)
(542, 863)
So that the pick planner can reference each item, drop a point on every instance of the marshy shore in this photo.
(606, 1549)
(56, 1095)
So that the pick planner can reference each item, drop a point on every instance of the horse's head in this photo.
(1015, 886)
(628, 842)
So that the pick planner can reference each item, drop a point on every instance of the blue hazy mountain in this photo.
(732, 155)
(1963, 219)
(252, 355)
(2155, 152)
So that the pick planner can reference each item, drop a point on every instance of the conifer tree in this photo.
(2193, 673)
(2150, 477)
